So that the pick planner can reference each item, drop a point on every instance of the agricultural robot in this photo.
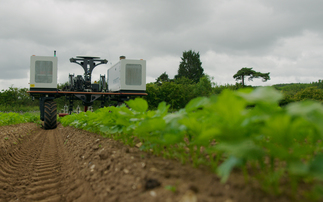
(125, 80)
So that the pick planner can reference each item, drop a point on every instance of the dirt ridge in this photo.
(37, 171)
(68, 164)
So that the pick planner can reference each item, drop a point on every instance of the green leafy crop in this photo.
(243, 129)
(15, 118)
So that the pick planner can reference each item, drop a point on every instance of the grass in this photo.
(18, 109)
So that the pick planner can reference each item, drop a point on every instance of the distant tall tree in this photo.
(162, 78)
(242, 73)
(190, 66)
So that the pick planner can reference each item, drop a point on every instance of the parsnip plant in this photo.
(15, 118)
(243, 129)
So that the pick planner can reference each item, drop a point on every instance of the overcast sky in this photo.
(283, 37)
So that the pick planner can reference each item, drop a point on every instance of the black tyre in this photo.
(50, 115)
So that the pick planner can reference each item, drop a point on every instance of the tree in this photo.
(15, 97)
(162, 78)
(204, 86)
(242, 73)
(309, 93)
(190, 66)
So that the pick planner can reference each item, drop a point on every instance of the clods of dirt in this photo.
(151, 183)
(67, 164)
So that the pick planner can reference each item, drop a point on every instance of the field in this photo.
(67, 164)
(238, 146)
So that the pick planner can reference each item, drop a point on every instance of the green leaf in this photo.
(262, 94)
(206, 136)
(298, 168)
(173, 138)
(305, 108)
(242, 150)
(316, 167)
(138, 104)
(196, 103)
(278, 129)
(124, 111)
(151, 125)
(192, 124)
(171, 188)
(162, 109)
(122, 121)
(226, 167)
(174, 116)
(309, 110)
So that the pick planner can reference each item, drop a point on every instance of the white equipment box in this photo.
(43, 72)
(127, 75)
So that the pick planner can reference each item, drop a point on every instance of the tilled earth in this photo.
(68, 164)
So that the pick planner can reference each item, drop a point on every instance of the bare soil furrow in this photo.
(67, 164)
(36, 178)
(44, 182)
(52, 198)
(6, 171)
(37, 169)
(44, 162)
(48, 186)
(3, 180)
(42, 196)
(13, 162)
(46, 165)
(15, 158)
(41, 164)
(44, 174)
(43, 171)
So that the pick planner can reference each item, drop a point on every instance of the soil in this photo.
(67, 164)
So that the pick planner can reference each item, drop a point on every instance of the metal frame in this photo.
(87, 93)
(87, 97)
(85, 61)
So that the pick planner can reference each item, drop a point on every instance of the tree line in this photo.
(16, 99)
(189, 82)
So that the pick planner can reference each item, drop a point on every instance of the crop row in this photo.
(243, 129)
(12, 118)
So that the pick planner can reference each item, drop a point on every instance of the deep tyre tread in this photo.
(50, 115)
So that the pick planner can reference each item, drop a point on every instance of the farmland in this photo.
(68, 164)
(238, 146)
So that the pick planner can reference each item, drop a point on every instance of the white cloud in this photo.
(281, 37)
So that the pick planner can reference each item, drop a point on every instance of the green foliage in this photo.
(183, 81)
(273, 143)
(190, 66)
(243, 72)
(217, 89)
(311, 93)
(177, 93)
(17, 100)
(15, 118)
(299, 92)
(19, 108)
(292, 87)
(171, 188)
(162, 78)
(203, 87)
